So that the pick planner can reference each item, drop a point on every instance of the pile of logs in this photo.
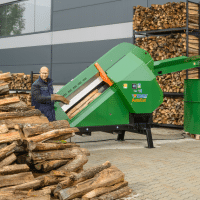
(22, 81)
(171, 111)
(169, 15)
(4, 82)
(37, 163)
(81, 105)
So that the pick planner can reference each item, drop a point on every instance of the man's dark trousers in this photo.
(41, 97)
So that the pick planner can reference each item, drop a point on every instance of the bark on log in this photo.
(63, 137)
(51, 187)
(16, 179)
(52, 134)
(102, 190)
(49, 165)
(14, 169)
(9, 108)
(123, 192)
(8, 160)
(75, 164)
(33, 146)
(52, 155)
(3, 128)
(29, 113)
(52, 180)
(25, 120)
(77, 178)
(3, 145)
(9, 100)
(10, 137)
(34, 184)
(6, 151)
(107, 177)
(36, 130)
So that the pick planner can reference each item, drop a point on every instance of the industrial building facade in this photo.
(64, 35)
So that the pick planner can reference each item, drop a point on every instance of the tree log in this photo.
(6, 151)
(49, 165)
(16, 179)
(25, 120)
(75, 164)
(9, 108)
(8, 160)
(123, 192)
(77, 178)
(107, 177)
(36, 130)
(33, 146)
(102, 190)
(82, 102)
(52, 180)
(34, 184)
(29, 113)
(9, 101)
(10, 137)
(52, 134)
(13, 169)
(52, 155)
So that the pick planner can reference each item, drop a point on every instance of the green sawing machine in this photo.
(126, 78)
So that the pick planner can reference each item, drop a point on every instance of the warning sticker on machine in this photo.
(139, 85)
(142, 95)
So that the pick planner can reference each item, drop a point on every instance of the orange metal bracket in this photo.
(103, 74)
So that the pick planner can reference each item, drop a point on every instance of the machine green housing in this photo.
(135, 89)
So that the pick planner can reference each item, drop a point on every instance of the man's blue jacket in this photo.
(41, 97)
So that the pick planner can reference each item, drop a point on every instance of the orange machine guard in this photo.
(103, 74)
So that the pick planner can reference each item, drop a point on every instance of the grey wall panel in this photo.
(96, 15)
(25, 56)
(23, 68)
(69, 4)
(63, 73)
(85, 51)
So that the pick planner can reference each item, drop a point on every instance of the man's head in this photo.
(44, 73)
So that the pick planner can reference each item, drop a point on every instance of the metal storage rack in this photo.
(164, 32)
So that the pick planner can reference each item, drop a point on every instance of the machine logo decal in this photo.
(140, 91)
(142, 96)
(134, 86)
(139, 100)
(139, 85)
(134, 95)
(125, 85)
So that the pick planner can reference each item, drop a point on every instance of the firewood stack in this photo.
(171, 111)
(81, 105)
(22, 81)
(37, 163)
(169, 15)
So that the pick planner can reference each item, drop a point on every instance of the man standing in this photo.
(42, 96)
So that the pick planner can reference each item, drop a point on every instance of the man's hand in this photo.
(57, 97)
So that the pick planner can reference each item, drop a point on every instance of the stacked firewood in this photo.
(81, 105)
(173, 82)
(169, 15)
(171, 111)
(4, 82)
(170, 46)
(22, 81)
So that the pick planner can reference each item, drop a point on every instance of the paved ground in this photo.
(168, 171)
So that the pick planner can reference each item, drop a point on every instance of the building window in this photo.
(26, 16)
